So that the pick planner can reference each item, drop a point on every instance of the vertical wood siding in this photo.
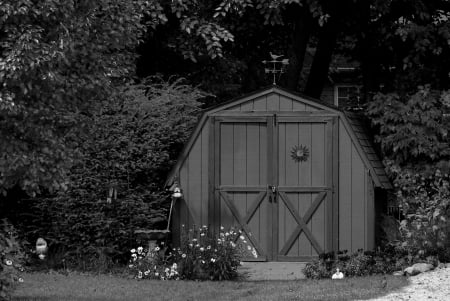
(193, 210)
(273, 102)
(356, 203)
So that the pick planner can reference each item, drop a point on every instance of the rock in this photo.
(418, 268)
(398, 273)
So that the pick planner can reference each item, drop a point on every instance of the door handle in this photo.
(273, 194)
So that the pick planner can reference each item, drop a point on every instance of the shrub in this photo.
(201, 256)
(11, 257)
(128, 149)
(359, 263)
(425, 201)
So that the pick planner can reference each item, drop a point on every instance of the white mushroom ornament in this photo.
(41, 247)
(338, 275)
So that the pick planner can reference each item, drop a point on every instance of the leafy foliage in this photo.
(412, 128)
(426, 207)
(11, 258)
(59, 60)
(201, 256)
(382, 261)
(129, 148)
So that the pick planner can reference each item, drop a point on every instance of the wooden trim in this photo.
(242, 223)
(260, 258)
(304, 114)
(301, 119)
(303, 189)
(231, 188)
(216, 163)
(255, 204)
(272, 214)
(241, 118)
(302, 222)
(335, 191)
(211, 173)
(186, 150)
(329, 183)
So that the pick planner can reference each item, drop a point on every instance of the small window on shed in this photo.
(348, 97)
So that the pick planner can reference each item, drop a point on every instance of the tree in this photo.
(59, 61)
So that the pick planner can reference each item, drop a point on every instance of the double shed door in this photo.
(273, 181)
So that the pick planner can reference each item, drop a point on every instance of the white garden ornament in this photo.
(338, 275)
(41, 247)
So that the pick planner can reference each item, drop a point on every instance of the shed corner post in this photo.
(213, 142)
(335, 192)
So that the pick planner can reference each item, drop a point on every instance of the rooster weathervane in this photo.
(277, 65)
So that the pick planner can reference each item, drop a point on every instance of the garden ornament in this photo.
(177, 193)
(338, 275)
(41, 247)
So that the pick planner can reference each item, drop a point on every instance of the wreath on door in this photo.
(300, 153)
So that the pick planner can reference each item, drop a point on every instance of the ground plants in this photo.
(11, 258)
(201, 256)
(360, 263)
(425, 202)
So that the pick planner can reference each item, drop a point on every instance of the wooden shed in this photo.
(298, 176)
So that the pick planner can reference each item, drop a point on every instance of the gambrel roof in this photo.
(352, 123)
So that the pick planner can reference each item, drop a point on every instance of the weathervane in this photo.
(276, 65)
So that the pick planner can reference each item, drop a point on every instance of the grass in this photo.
(52, 287)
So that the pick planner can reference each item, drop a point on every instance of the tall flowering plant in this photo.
(201, 256)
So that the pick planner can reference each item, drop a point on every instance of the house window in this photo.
(347, 97)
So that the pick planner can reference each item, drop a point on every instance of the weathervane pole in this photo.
(278, 66)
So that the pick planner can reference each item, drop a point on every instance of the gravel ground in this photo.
(434, 285)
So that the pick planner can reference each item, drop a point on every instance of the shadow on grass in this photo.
(52, 287)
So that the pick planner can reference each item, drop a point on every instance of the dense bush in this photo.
(201, 256)
(11, 257)
(128, 151)
(425, 201)
(360, 263)
(414, 137)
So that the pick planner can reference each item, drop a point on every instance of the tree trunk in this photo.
(299, 42)
(322, 59)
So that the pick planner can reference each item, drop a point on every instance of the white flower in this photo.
(140, 275)
(222, 228)
(208, 247)
(191, 245)
(8, 262)
(202, 249)
(162, 243)
(213, 260)
(134, 255)
(197, 245)
(147, 272)
(140, 249)
(249, 248)
(227, 234)
(131, 265)
(203, 261)
(157, 249)
(133, 250)
(255, 254)
(232, 244)
(242, 237)
(203, 234)
(183, 255)
(20, 280)
(156, 274)
(194, 239)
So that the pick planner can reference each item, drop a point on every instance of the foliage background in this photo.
(130, 145)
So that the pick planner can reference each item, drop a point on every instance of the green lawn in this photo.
(52, 287)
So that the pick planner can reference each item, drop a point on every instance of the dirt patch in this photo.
(432, 285)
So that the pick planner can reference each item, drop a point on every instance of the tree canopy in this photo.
(59, 60)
